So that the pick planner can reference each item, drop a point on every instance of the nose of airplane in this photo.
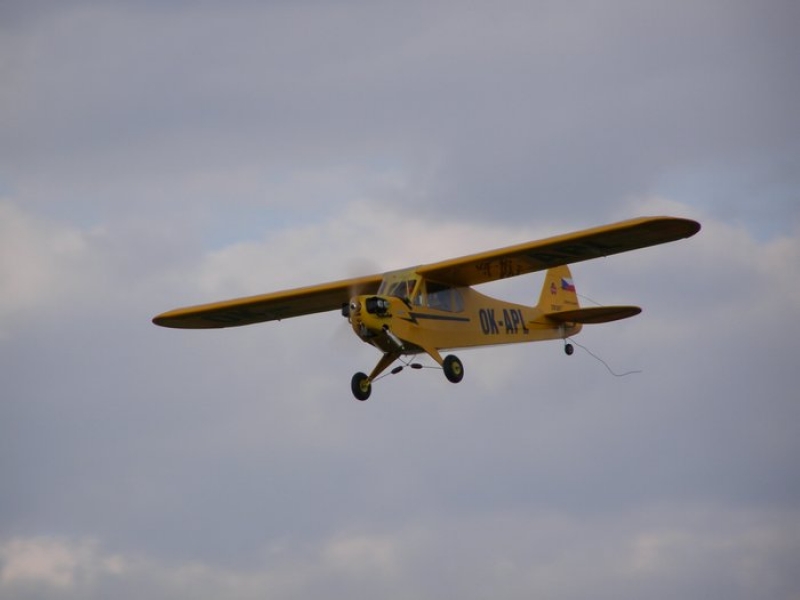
(356, 316)
(368, 315)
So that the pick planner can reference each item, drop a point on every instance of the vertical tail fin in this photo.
(558, 292)
(559, 303)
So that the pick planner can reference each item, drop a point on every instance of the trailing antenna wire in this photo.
(595, 302)
(604, 363)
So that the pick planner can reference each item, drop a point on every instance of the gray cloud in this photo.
(212, 448)
(487, 110)
(153, 157)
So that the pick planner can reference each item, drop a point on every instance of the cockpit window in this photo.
(418, 292)
(443, 297)
(402, 288)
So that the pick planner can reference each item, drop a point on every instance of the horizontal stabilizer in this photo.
(597, 314)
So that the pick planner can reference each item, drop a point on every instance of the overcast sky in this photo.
(154, 155)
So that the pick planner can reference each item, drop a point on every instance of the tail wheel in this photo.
(569, 349)
(453, 369)
(361, 386)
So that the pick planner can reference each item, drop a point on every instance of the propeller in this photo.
(355, 267)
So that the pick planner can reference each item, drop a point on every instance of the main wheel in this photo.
(453, 369)
(361, 386)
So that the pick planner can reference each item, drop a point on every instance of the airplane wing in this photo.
(560, 250)
(465, 271)
(269, 307)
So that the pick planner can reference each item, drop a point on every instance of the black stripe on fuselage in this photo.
(429, 317)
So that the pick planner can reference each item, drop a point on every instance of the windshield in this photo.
(402, 289)
(399, 287)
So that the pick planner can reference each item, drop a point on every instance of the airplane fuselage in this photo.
(400, 325)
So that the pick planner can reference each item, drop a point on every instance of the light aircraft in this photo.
(433, 307)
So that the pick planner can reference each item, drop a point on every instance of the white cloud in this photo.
(55, 563)
(363, 555)
(358, 240)
(40, 261)
(653, 553)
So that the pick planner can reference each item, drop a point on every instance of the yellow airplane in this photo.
(429, 308)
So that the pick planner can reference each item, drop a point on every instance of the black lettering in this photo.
(484, 267)
(485, 323)
(508, 268)
(493, 323)
(508, 321)
(488, 324)
(522, 322)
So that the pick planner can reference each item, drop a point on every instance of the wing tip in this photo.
(167, 320)
(680, 227)
(176, 319)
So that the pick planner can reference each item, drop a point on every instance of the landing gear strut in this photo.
(361, 384)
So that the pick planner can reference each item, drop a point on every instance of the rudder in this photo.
(558, 291)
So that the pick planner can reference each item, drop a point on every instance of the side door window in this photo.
(445, 298)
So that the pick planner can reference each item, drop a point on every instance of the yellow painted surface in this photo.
(432, 307)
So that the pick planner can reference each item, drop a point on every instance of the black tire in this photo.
(453, 369)
(361, 386)
(569, 349)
